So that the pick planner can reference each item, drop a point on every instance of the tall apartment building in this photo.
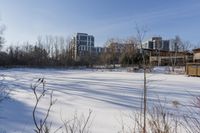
(81, 44)
(156, 43)
(174, 45)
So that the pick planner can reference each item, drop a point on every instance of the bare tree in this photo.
(158, 43)
(113, 51)
(130, 49)
(141, 32)
(186, 46)
(176, 49)
(78, 124)
(41, 126)
(192, 118)
(2, 40)
(160, 120)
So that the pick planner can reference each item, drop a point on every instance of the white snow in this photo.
(107, 94)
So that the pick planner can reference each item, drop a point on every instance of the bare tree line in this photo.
(54, 51)
(47, 51)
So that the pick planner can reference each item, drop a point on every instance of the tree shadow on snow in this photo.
(16, 116)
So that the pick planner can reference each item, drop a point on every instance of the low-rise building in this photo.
(196, 53)
(98, 50)
(169, 57)
(115, 47)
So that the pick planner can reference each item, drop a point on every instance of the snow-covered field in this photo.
(108, 94)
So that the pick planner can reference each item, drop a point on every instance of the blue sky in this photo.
(27, 19)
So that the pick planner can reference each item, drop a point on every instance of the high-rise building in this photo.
(157, 43)
(81, 44)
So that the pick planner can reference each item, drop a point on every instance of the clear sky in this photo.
(27, 19)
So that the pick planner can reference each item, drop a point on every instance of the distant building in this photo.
(156, 43)
(115, 47)
(163, 52)
(167, 57)
(174, 46)
(98, 50)
(81, 44)
(196, 53)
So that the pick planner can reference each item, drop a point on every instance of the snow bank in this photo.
(108, 94)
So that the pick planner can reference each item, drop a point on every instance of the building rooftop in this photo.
(197, 50)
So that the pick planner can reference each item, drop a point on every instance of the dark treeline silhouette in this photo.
(48, 51)
(53, 51)
(125, 52)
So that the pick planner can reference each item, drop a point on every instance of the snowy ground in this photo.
(107, 94)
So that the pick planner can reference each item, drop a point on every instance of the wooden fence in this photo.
(193, 69)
